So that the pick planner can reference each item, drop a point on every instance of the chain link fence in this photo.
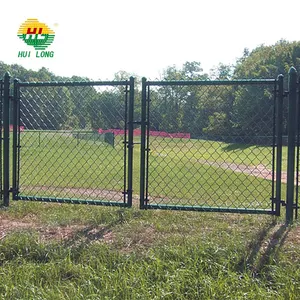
(204, 145)
(67, 149)
(218, 153)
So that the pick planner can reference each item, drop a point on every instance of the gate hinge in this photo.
(282, 202)
(15, 191)
(285, 94)
(127, 192)
(128, 144)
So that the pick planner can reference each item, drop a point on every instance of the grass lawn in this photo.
(61, 251)
(185, 172)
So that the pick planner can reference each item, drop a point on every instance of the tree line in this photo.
(218, 111)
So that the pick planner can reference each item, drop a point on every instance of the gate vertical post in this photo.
(298, 152)
(130, 140)
(279, 121)
(16, 125)
(1, 128)
(6, 114)
(143, 144)
(292, 111)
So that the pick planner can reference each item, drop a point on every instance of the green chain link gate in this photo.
(56, 158)
(187, 162)
(208, 171)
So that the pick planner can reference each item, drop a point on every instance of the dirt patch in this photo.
(58, 233)
(8, 225)
(139, 238)
(258, 171)
(293, 237)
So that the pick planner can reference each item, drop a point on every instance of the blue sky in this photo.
(99, 38)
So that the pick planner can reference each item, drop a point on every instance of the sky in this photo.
(97, 38)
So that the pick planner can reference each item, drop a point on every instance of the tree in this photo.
(269, 61)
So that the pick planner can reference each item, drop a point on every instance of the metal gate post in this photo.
(279, 121)
(298, 152)
(143, 144)
(1, 129)
(292, 111)
(6, 113)
(16, 126)
(130, 140)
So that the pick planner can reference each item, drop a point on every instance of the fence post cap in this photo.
(280, 77)
(292, 70)
(6, 75)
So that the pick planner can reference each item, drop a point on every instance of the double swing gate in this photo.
(223, 146)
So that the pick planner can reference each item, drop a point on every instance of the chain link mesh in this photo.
(72, 142)
(218, 150)
(209, 146)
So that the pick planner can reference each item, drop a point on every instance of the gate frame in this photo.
(128, 143)
(277, 144)
(293, 159)
(6, 114)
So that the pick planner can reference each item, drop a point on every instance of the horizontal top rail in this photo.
(74, 83)
(211, 82)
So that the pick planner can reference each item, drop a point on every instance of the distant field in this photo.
(181, 171)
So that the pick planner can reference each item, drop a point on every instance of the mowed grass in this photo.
(65, 161)
(192, 149)
(179, 170)
(112, 253)
(61, 251)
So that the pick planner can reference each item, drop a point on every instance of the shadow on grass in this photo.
(267, 244)
(3, 207)
(275, 242)
(95, 232)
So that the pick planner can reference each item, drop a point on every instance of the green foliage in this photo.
(269, 61)
(106, 110)
(216, 112)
